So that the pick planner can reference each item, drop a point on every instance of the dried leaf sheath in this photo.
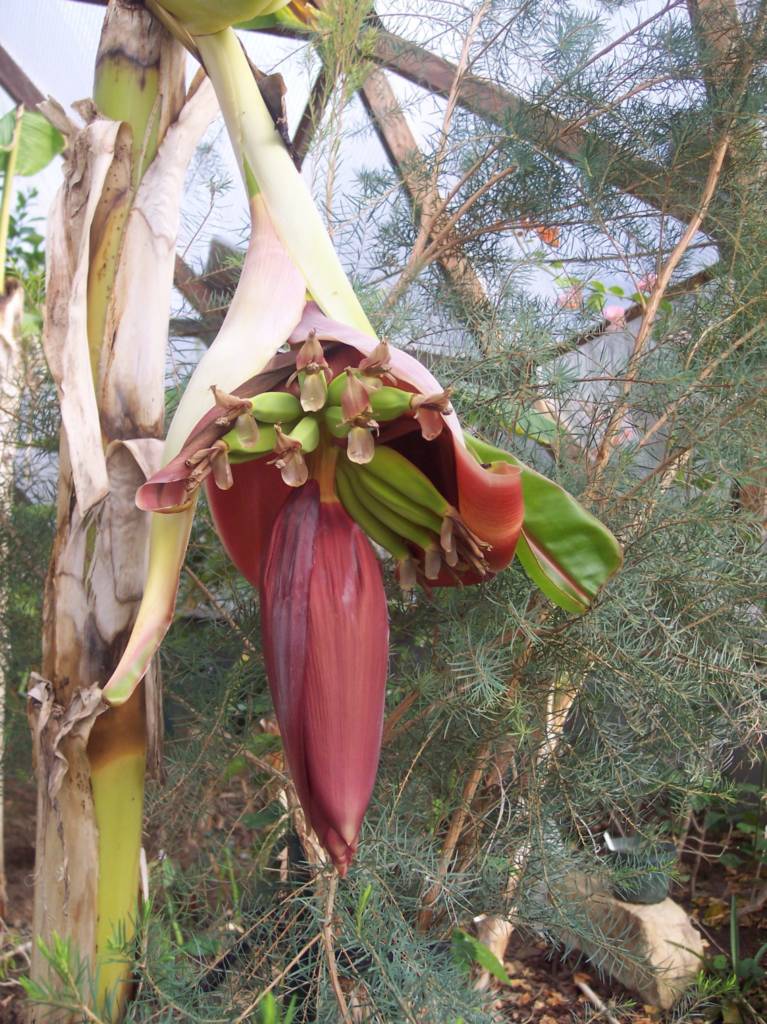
(111, 391)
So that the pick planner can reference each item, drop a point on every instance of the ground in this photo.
(544, 989)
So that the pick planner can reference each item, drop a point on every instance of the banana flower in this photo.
(312, 439)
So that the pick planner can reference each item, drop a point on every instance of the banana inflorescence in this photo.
(396, 504)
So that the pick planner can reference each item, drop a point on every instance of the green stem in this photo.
(5, 205)
(323, 468)
(266, 166)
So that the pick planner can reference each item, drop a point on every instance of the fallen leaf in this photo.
(716, 912)
(557, 999)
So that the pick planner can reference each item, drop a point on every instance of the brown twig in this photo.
(447, 223)
(275, 981)
(330, 953)
(395, 716)
(429, 200)
(220, 609)
(693, 387)
(595, 1000)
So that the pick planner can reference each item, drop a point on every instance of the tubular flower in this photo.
(307, 455)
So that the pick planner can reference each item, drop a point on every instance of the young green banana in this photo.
(390, 403)
(276, 407)
(399, 525)
(307, 433)
(398, 502)
(240, 451)
(334, 421)
(369, 522)
(391, 467)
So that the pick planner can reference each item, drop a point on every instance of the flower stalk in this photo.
(267, 167)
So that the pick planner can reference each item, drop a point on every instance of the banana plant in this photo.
(313, 438)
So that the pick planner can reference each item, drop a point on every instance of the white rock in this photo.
(652, 949)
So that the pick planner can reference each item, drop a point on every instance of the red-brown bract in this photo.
(326, 639)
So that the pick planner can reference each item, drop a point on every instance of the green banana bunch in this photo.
(397, 502)
(400, 509)
(275, 425)
(391, 499)
(391, 467)
(357, 401)
(378, 532)
(401, 525)
(386, 403)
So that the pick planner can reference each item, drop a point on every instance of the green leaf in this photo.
(730, 860)
(39, 142)
(749, 971)
(284, 18)
(564, 550)
(237, 766)
(292, 1010)
(734, 936)
(261, 743)
(467, 950)
(615, 289)
(268, 1009)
